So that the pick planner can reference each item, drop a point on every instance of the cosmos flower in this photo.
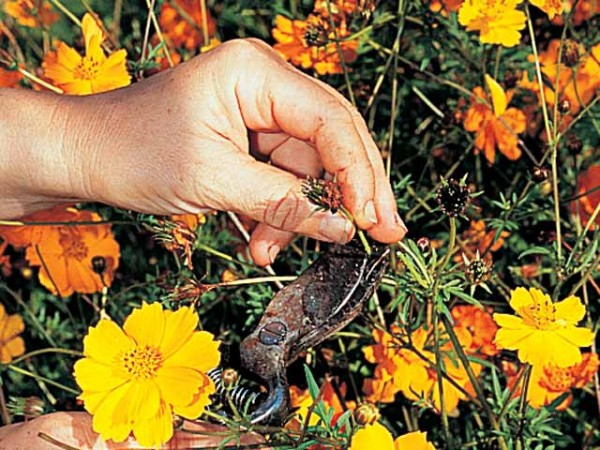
(31, 13)
(89, 74)
(310, 43)
(587, 203)
(498, 21)
(136, 378)
(11, 344)
(495, 127)
(543, 333)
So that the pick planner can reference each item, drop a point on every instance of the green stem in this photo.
(46, 350)
(44, 379)
(440, 379)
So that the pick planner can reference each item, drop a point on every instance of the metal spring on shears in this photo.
(230, 393)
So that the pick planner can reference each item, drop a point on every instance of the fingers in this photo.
(266, 242)
(282, 99)
(272, 196)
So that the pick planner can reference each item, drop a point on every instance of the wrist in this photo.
(38, 165)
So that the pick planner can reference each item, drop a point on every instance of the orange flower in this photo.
(445, 6)
(30, 235)
(343, 7)
(302, 400)
(31, 13)
(182, 24)
(477, 239)
(576, 87)
(480, 324)
(401, 369)
(5, 265)
(548, 383)
(310, 43)
(11, 344)
(9, 78)
(583, 12)
(550, 7)
(89, 74)
(497, 127)
(586, 204)
(75, 258)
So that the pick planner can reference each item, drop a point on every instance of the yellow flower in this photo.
(416, 440)
(498, 21)
(11, 344)
(136, 378)
(89, 74)
(376, 436)
(546, 332)
(550, 7)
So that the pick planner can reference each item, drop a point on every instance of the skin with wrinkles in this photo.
(185, 140)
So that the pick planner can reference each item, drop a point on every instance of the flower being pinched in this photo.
(11, 344)
(89, 74)
(136, 378)
(546, 332)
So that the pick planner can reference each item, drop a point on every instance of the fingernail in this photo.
(370, 213)
(335, 229)
(273, 252)
(401, 224)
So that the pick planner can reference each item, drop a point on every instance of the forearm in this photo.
(37, 170)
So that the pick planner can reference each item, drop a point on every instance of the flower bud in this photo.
(366, 414)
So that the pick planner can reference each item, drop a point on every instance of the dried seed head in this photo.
(570, 53)
(99, 264)
(453, 197)
(326, 194)
(478, 271)
(366, 414)
(564, 107)
(540, 174)
(573, 143)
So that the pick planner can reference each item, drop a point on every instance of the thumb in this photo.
(274, 197)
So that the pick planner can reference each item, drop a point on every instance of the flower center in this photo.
(73, 245)
(87, 69)
(142, 362)
(543, 312)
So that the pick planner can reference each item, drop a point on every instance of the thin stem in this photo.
(43, 351)
(340, 52)
(6, 420)
(440, 379)
(44, 379)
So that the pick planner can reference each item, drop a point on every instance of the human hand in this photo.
(180, 142)
(74, 430)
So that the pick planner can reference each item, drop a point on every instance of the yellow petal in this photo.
(92, 375)
(105, 342)
(512, 339)
(15, 347)
(146, 324)
(509, 321)
(498, 95)
(154, 432)
(416, 440)
(520, 298)
(571, 310)
(105, 420)
(178, 385)
(179, 328)
(11, 327)
(200, 352)
(371, 437)
(90, 29)
(142, 401)
(577, 336)
(199, 403)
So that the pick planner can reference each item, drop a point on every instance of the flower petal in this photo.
(107, 422)
(179, 328)
(178, 385)
(154, 432)
(105, 342)
(200, 352)
(146, 324)
(497, 94)
(92, 375)
(570, 310)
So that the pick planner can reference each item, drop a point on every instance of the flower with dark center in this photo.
(540, 174)
(477, 270)
(326, 194)
(316, 35)
(453, 197)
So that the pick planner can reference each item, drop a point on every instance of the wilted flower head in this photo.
(453, 197)
(326, 194)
